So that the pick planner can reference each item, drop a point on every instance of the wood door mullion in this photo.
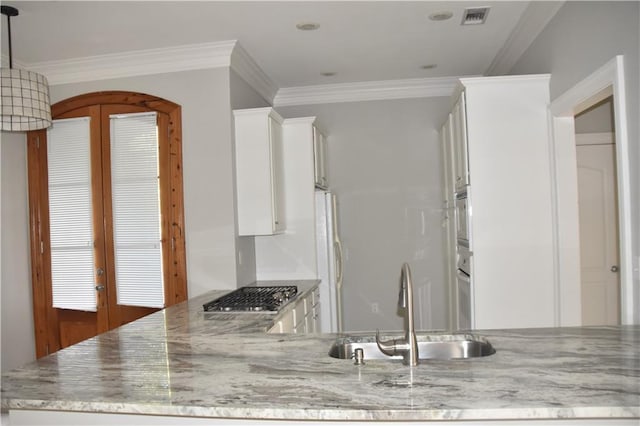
(100, 262)
(107, 211)
(54, 341)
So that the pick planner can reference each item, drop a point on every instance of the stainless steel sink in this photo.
(430, 346)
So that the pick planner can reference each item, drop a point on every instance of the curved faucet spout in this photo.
(390, 347)
(407, 346)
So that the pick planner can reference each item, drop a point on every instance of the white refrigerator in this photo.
(330, 262)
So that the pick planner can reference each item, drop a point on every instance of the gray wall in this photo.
(18, 345)
(582, 37)
(385, 168)
(598, 119)
(244, 96)
(208, 191)
(208, 171)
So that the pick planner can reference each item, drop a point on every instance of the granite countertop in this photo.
(181, 362)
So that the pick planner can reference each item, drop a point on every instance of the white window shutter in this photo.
(136, 210)
(70, 214)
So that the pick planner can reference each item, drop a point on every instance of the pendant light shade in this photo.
(24, 94)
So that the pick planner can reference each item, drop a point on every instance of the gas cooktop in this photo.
(253, 299)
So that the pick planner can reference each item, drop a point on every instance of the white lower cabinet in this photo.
(302, 317)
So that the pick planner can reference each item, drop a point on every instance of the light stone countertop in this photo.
(181, 362)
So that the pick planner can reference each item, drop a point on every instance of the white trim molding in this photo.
(250, 71)
(366, 91)
(231, 54)
(607, 80)
(534, 19)
(604, 138)
(134, 63)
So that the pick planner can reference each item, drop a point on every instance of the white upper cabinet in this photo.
(320, 159)
(448, 168)
(459, 136)
(259, 171)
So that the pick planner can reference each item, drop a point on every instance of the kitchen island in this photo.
(212, 368)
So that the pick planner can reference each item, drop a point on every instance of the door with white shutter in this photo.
(106, 218)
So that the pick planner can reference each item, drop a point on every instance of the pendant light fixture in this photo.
(25, 95)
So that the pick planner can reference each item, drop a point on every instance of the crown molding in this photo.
(534, 19)
(366, 91)
(501, 79)
(135, 63)
(250, 71)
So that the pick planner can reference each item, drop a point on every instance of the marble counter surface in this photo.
(181, 362)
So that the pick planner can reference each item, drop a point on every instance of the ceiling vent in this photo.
(475, 15)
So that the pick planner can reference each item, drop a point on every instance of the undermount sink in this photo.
(430, 346)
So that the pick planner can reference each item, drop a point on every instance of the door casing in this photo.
(606, 81)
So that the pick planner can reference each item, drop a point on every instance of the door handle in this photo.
(100, 287)
(614, 268)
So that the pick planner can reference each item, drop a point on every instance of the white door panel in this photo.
(598, 234)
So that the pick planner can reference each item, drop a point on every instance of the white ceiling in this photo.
(360, 41)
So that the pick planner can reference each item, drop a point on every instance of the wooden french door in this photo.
(56, 328)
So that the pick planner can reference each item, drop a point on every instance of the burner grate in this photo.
(253, 299)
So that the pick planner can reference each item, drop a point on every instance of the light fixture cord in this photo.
(9, 29)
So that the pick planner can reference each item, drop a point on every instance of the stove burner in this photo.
(253, 299)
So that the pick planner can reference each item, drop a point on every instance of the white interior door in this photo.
(599, 259)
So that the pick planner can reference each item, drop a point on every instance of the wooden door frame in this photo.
(604, 82)
(45, 316)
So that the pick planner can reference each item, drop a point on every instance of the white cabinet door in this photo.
(598, 229)
(277, 175)
(302, 317)
(286, 324)
(448, 153)
(464, 301)
(320, 159)
(459, 134)
(448, 247)
(314, 314)
(259, 171)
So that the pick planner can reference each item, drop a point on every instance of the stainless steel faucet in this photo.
(407, 346)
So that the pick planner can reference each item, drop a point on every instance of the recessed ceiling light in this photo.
(307, 26)
(428, 67)
(328, 73)
(441, 16)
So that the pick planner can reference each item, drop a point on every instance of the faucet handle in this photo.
(390, 347)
